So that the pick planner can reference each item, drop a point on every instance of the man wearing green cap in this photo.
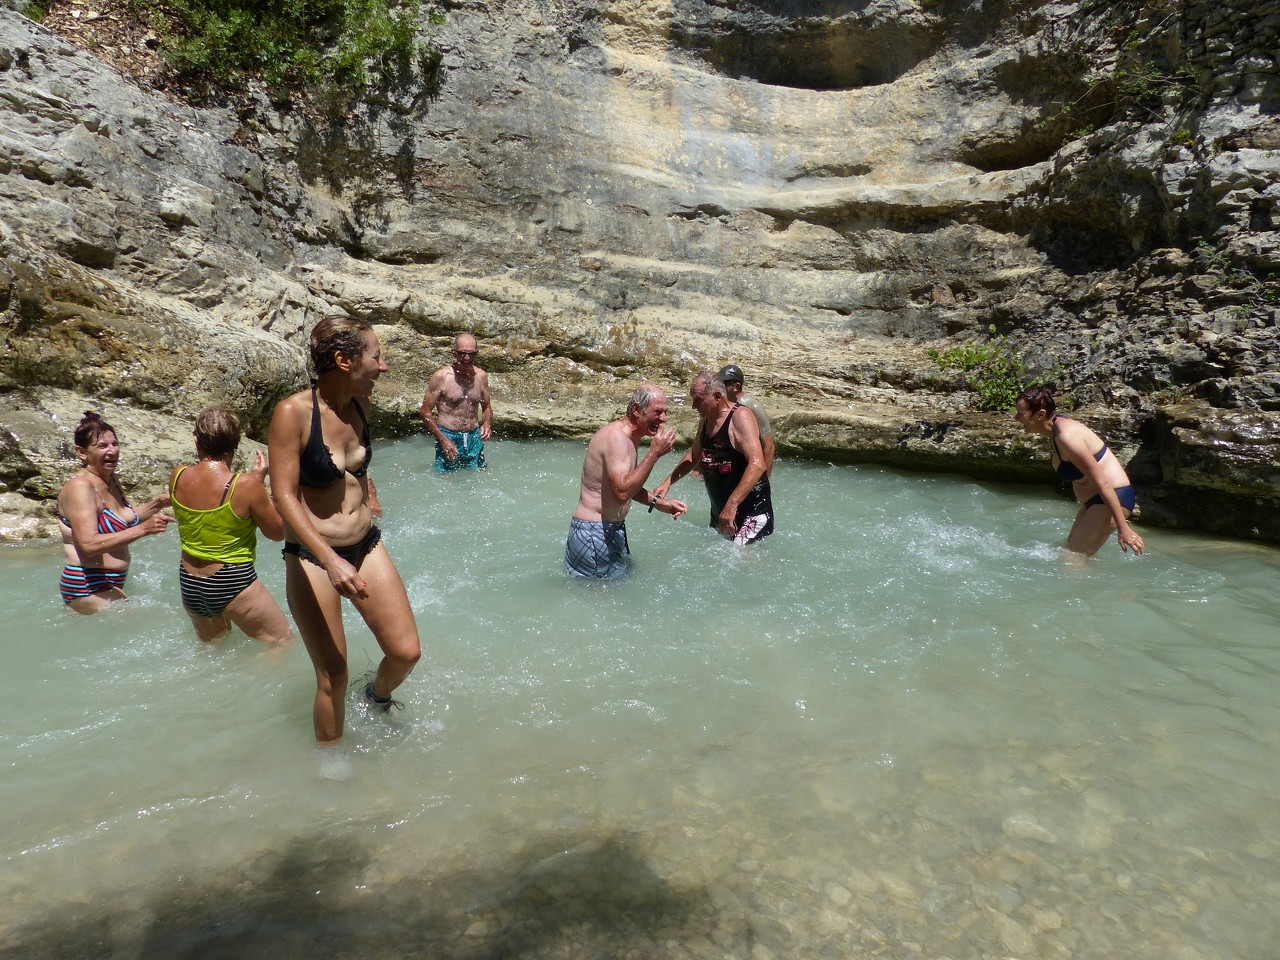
(732, 377)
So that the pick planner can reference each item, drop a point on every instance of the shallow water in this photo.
(900, 727)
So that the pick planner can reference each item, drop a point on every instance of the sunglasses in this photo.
(465, 353)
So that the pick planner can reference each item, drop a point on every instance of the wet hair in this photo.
(1038, 398)
(217, 432)
(641, 399)
(91, 427)
(334, 334)
(710, 381)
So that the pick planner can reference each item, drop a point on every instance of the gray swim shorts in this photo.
(597, 549)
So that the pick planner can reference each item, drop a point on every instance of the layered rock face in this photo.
(610, 192)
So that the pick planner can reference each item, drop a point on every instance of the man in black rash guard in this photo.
(727, 451)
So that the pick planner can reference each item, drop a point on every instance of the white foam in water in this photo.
(901, 726)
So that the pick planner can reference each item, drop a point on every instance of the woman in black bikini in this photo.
(319, 453)
(1101, 486)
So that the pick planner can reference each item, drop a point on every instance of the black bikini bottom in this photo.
(353, 553)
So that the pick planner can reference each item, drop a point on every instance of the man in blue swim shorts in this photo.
(611, 480)
(456, 409)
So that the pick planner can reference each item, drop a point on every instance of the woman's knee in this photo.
(408, 653)
(332, 676)
(256, 612)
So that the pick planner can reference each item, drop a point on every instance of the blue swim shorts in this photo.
(470, 451)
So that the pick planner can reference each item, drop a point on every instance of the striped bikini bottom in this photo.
(79, 582)
(209, 596)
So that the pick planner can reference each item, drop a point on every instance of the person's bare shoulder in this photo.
(606, 438)
(289, 416)
(618, 433)
(1073, 434)
(743, 418)
(76, 486)
(250, 491)
(299, 402)
(599, 438)
(620, 445)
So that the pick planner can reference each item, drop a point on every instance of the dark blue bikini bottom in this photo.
(1127, 496)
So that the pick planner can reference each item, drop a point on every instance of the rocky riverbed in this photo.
(712, 876)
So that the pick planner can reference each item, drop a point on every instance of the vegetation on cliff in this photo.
(1129, 69)
(993, 369)
(337, 47)
(321, 53)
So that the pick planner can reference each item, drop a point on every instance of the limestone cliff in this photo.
(606, 192)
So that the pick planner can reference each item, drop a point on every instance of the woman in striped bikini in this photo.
(219, 515)
(97, 522)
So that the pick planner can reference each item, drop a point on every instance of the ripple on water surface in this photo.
(901, 726)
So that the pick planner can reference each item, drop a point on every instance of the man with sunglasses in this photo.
(456, 409)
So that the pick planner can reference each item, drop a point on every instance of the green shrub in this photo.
(993, 370)
(1125, 73)
(323, 50)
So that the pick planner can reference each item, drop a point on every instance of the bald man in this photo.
(456, 409)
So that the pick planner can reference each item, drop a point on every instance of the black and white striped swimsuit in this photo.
(209, 596)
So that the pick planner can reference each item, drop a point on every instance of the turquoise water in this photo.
(901, 727)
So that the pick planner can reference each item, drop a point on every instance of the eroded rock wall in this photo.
(610, 192)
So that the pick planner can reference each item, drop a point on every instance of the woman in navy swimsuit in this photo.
(1101, 486)
(319, 452)
(97, 522)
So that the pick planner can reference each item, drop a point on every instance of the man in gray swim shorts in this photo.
(611, 480)
(597, 549)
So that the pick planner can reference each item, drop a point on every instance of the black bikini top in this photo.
(316, 468)
(1066, 470)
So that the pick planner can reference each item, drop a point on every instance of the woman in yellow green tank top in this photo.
(219, 515)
